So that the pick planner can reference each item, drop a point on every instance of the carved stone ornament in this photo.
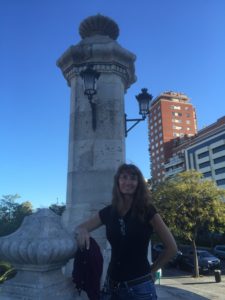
(38, 250)
(41, 240)
(99, 25)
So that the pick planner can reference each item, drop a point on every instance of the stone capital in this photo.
(101, 51)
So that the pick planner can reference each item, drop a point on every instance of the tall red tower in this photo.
(171, 117)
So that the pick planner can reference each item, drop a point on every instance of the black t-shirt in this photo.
(129, 238)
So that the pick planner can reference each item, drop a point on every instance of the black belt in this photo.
(123, 284)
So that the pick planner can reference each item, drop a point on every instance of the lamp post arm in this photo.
(132, 126)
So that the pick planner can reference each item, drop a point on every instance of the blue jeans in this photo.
(143, 291)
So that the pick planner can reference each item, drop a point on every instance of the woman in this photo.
(130, 221)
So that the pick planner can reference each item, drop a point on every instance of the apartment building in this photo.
(171, 117)
(206, 153)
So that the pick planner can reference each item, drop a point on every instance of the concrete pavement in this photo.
(188, 288)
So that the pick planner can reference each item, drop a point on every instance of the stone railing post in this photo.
(38, 250)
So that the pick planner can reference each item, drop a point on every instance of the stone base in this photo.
(39, 286)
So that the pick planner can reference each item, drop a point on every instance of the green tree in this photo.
(58, 208)
(12, 213)
(187, 202)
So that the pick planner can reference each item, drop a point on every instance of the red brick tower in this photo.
(171, 117)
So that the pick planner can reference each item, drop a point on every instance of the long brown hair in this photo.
(142, 197)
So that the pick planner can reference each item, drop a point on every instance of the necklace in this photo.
(122, 226)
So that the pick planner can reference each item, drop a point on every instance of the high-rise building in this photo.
(206, 152)
(172, 117)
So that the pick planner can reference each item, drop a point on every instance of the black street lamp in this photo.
(90, 78)
(143, 99)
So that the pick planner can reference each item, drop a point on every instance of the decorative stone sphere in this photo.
(99, 25)
(40, 240)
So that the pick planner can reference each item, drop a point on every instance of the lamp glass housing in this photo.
(144, 99)
(90, 78)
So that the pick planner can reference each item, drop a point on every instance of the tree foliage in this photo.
(58, 208)
(12, 213)
(187, 202)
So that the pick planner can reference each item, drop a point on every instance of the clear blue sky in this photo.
(180, 46)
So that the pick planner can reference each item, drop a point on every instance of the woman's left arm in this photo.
(167, 239)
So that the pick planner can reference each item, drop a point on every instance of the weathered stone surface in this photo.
(94, 156)
(38, 250)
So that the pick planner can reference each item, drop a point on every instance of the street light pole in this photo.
(143, 99)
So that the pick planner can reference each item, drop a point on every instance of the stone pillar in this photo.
(94, 155)
(38, 250)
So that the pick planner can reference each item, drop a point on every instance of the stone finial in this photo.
(41, 240)
(99, 25)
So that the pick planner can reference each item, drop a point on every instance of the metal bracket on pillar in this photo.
(131, 120)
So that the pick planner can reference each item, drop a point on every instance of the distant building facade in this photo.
(171, 117)
(206, 153)
(175, 144)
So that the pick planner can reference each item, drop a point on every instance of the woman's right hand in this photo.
(83, 238)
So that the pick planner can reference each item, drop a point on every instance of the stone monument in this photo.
(94, 155)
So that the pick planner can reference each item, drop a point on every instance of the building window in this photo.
(219, 148)
(188, 121)
(188, 115)
(219, 159)
(187, 108)
(220, 171)
(207, 174)
(175, 107)
(220, 182)
(176, 114)
(204, 154)
(188, 128)
(159, 121)
(176, 120)
(177, 127)
(203, 165)
(176, 134)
